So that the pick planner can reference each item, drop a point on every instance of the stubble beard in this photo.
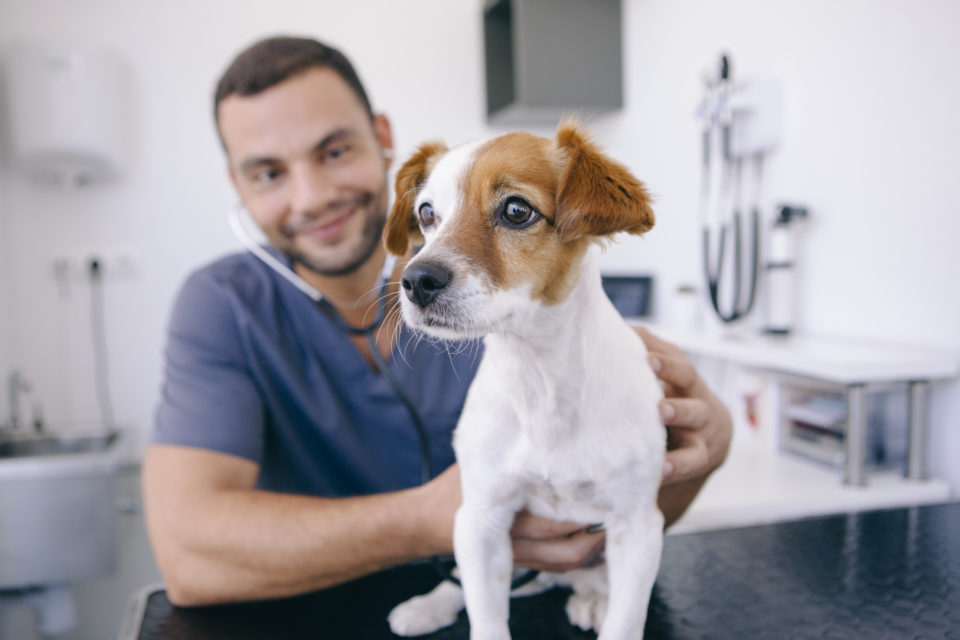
(376, 217)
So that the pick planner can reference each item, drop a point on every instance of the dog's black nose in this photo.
(423, 281)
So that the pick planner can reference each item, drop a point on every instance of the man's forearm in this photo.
(247, 544)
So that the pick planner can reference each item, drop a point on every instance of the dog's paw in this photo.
(587, 610)
(422, 615)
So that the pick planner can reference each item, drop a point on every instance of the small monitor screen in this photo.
(629, 294)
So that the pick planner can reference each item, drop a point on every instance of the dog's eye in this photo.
(426, 215)
(518, 213)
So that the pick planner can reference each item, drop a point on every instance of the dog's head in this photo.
(503, 225)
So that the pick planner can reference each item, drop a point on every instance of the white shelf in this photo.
(843, 362)
(759, 484)
(756, 486)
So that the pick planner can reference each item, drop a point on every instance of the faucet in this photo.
(16, 384)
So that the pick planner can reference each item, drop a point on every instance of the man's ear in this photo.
(384, 135)
(596, 195)
(402, 225)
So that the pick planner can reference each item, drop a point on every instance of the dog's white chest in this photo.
(577, 476)
(577, 501)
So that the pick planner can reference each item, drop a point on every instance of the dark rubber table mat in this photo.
(883, 574)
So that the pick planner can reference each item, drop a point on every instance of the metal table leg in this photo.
(916, 451)
(855, 440)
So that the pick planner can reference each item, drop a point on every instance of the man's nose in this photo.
(423, 281)
(311, 190)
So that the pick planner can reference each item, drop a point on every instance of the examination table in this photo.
(882, 574)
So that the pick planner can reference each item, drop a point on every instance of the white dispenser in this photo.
(68, 113)
(780, 271)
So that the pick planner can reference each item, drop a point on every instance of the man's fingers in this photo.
(558, 554)
(676, 371)
(655, 344)
(532, 527)
(690, 460)
(684, 412)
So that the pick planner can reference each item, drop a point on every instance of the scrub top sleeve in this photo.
(209, 399)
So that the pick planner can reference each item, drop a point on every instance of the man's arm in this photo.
(218, 539)
(699, 425)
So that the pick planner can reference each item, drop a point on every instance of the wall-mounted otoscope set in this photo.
(740, 127)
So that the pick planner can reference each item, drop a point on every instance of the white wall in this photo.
(6, 299)
(870, 145)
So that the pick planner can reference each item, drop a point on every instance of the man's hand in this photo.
(547, 545)
(700, 427)
(538, 543)
(699, 424)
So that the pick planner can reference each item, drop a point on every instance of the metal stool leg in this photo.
(917, 449)
(855, 440)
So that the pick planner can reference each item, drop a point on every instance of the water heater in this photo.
(68, 112)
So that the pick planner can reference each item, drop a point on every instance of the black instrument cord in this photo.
(713, 272)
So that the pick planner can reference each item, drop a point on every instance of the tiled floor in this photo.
(100, 603)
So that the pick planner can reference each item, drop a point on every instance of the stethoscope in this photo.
(236, 219)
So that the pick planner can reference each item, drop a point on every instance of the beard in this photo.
(373, 209)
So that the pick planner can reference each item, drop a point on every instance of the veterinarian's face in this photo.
(308, 164)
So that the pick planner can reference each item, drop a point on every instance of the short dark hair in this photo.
(271, 61)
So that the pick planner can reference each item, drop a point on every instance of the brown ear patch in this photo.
(597, 196)
(402, 226)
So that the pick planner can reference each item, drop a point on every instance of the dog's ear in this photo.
(402, 226)
(597, 196)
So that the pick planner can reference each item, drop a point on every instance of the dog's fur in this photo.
(562, 416)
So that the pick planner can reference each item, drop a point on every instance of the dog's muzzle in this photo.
(423, 281)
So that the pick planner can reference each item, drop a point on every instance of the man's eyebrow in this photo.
(250, 164)
(336, 135)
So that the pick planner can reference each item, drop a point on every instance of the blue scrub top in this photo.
(256, 369)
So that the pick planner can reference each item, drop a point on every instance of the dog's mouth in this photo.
(451, 326)
(442, 322)
(447, 326)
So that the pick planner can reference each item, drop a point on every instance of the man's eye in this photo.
(266, 176)
(518, 213)
(336, 153)
(426, 214)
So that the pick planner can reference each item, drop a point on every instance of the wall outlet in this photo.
(81, 265)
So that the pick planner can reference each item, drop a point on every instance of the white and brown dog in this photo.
(562, 416)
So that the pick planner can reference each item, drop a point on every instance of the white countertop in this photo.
(840, 361)
(757, 486)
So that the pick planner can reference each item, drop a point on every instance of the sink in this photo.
(53, 445)
(58, 506)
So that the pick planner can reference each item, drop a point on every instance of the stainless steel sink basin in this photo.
(58, 507)
(53, 445)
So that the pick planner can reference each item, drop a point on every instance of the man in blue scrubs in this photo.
(283, 458)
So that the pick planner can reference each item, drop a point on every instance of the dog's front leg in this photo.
(481, 543)
(633, 551)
